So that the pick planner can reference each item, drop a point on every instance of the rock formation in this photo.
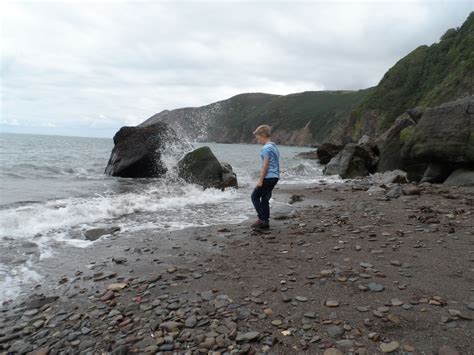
(137, 151)
(202, 167)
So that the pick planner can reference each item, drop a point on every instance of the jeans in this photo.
(260, 197)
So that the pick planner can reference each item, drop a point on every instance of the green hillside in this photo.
(427, 76)
(297, 119)
(320, 110)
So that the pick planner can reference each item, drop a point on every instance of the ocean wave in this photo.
(38, 219)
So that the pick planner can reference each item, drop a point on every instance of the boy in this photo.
(268, 178)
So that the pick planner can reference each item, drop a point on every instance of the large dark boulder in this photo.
(444, 134)
(429, 144)
(327, 151)
(202, 167)
(137, 151)
(390, 144)
(461, 177)
(352, 161)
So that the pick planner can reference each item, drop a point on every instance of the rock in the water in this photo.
(229, 177)
(308, 155)
(327, 151)
(137, 151)
(96, 233)
(352, 161)
(461, 177)
(202, 167)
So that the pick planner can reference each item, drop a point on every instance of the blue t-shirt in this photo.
(271, 152)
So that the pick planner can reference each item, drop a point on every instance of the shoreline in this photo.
(344, 269)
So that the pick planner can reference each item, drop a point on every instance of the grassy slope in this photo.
(323, 110)
(427, 76)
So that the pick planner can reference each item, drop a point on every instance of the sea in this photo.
(53, 188)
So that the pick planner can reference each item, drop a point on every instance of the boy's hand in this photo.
(259, 183)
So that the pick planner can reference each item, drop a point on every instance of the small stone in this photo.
(375, 287)
(268, 311)
(332, 303)
(408, 348)
(119, 260)
(362, 308)
(85, 330)
(38, 324)
(396, 302)
(208, 343)
(249, 336)
(447, 350)
(393, 318)
(190, 322)
(333, 351)
(366, 265)
(277, 322)
(395, 192)
(335, 331)
(31, 312)
(117, 286)
(389, 347)
(326, 272)
(301, 299)
(345, 343)
(170, 326)
(107, 296)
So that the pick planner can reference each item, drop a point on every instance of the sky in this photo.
(86, 68)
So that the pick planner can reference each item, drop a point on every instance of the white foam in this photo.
(158, 206)
(32, 220)
(13, 278)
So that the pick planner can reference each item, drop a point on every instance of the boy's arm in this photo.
(266, 165)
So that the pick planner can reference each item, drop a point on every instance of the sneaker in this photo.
(264, 225)
(257, 223)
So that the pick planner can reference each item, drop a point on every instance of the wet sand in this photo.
(341, 271)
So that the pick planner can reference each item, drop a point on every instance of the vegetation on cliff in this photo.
(428, 76)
